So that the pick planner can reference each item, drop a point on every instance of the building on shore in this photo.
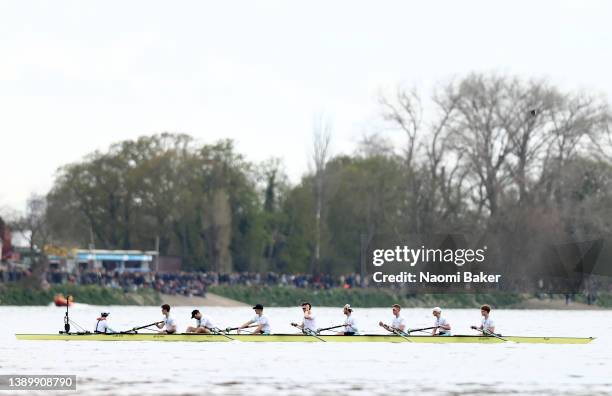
(102, 260)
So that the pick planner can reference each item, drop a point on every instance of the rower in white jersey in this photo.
(204, 323)
(260, 320)
(487, 325)
(309, 323)
(398, 324)
(168, 324)
(102, 324)
(350, 325)
(441, 326)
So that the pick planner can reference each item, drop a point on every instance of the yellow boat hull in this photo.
(460, 339)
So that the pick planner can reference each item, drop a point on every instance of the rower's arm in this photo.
(159, 324)
(445, 327)
(247, 324)
(492, 329)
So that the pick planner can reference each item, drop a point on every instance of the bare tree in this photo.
(431, 189)
(479, 134)
(405, 110)
(34, 228)
(526, 118)
(575, 123)
(322, 134)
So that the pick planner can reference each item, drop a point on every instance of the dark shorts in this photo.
(349, 333)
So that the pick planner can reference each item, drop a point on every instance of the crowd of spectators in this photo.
(12, 273)
(196, 283)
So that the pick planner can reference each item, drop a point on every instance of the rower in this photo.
(398, 323)
(204, 323)
(102, 324)
(350, 326)
(309, 323)
(262, 322)
(168, 322)
(442, 327)
(487, 324)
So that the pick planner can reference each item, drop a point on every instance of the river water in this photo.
(235, 368)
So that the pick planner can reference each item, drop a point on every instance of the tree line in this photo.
(519, 162)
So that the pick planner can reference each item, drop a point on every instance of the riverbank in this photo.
(96, 295)
(89, 294)
(279, 296)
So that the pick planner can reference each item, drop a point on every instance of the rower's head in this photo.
(347, 309)
(396, 309)
(258, 309)
(104, 315)
(165, 309)
(485, 310)
(195, 314)
(306, 306)
(437, 311)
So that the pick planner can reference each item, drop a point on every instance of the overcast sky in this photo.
(78, 76)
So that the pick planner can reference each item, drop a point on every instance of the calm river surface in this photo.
(234, 368)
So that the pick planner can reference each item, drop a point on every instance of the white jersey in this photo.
(102, 327)
(441, 322)
(310, 324)
(398, 322)
(487, 324)
(263, 321)
(350, 325)
(205, 321)
(169, 323)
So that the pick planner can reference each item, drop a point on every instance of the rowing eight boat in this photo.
(301, 338)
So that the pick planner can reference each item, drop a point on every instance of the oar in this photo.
(217, 331)
(488, 333)
(329, 328)
(399, 333)
(308, 332)
(395, 331)
(141, 327)
(422, 329)
(227, 330)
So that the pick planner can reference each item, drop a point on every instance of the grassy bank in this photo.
(96, 295)
(278, 296)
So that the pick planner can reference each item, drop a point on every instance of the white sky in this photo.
(76, 76)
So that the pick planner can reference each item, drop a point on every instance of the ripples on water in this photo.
(234, 368)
